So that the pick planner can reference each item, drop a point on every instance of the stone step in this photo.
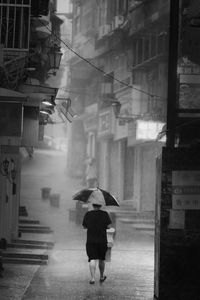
(35, 229)
(134, 214)
(137, 221)
(143, 226)
(28, 221)
(24, 261)
(28, 246)
(49, 244)
(144, 229)
(33, 226)
(24, 255)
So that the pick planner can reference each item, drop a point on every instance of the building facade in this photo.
(28, 30)
(123, 46)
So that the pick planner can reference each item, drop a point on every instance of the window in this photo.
(153, 45)
(149, 47)
(14, 20)
(77, 25)
(140, 51)
(103, 12)
(77, 22)
(146, 49)
(128, 174)
(122, 7)
(107, 84)
(91, 145)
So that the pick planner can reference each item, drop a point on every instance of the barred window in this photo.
(15, 23)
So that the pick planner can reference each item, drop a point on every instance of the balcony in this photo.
(149, 51)
(133, 4)
(42, 32)
(41, 20)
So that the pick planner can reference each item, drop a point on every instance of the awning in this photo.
(30, 88)
(36, 93)
(7, 95)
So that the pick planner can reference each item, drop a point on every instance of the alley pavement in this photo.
(66, 276)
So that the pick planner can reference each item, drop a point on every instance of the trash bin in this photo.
(45, 192)
(55, 200)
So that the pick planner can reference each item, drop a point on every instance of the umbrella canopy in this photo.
(96, 196)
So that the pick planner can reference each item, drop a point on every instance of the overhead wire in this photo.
(99, 69)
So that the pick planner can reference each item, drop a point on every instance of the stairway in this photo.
(34, 228)
(27, 225)
(21, 256)
(142, 221)
(33, 245)
(23, 211)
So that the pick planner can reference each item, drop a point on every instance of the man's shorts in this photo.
(96, 251)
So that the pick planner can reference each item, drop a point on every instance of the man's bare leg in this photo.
(101, 269)
(92, 266)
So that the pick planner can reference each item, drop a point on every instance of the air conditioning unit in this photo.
(119, 20)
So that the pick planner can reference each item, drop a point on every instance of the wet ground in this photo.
(130, 271)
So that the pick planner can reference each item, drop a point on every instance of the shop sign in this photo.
(186, 190)
(144, 131)
(189, 91)
(185, 66)
(148, 130)
(105, 125)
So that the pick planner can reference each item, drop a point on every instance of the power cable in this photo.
(97, 68)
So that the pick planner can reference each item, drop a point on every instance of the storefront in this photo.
(146, 149)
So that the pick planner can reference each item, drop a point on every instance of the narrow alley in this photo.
(66, 276)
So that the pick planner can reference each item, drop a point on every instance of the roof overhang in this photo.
(37, 93)
(7, 95)
(29, 88)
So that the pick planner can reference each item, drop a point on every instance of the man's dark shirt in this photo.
(96, 222)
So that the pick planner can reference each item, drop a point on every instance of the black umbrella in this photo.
(96, 196)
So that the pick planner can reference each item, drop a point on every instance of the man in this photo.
(96, 222)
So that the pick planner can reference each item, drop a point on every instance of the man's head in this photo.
(96, 206)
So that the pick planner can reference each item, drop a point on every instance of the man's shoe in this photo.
(103, 279)
(92, 281)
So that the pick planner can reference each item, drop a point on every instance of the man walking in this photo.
(96, 222)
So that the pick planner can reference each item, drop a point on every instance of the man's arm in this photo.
(109, 222)
(84, 223)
